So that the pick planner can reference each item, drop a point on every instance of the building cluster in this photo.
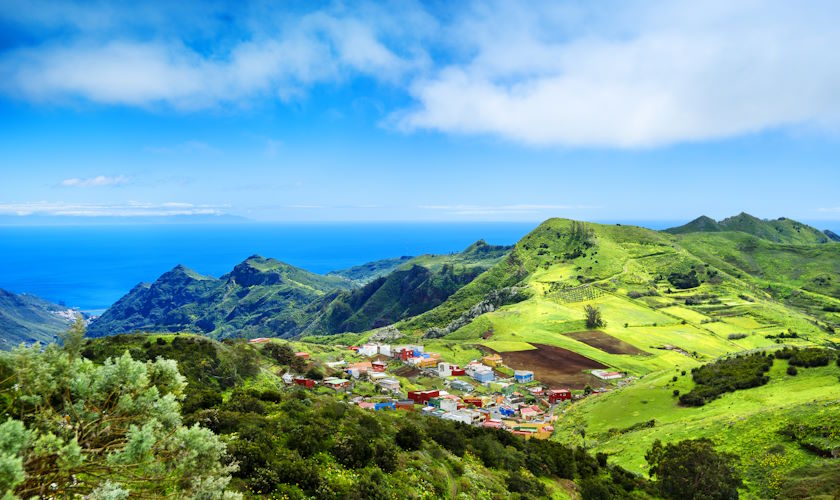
(514, 403)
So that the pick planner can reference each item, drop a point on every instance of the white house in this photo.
(444, 369)
(288, 378)
(369, 350)
(448, 404)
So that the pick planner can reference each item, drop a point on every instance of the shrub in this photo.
(593, 317)
(727, 375)
(692, 469)
(736, 336)
(791, 370)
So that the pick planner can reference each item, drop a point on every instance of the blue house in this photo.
(385, 406)
(523, 376)
(507, 411)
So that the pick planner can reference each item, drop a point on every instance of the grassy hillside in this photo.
(29, 319)
(669, 303)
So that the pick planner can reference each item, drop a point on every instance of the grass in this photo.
(739, 421)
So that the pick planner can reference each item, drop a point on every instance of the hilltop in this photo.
(29, 319)
(781, 230)
(260, 296)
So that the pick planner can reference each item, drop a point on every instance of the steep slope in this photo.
(780, 230)
(258, 297)
(832, 235)
(29, 319)
(416, 286)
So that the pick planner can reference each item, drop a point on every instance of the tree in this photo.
(75, 428)
(593, 317)
(692, 469)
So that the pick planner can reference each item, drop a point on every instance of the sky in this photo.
(420, 111)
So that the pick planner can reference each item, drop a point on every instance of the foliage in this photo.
(727, 375)
(692, 469)
(593, 317)
(74, 427)
(806, 358)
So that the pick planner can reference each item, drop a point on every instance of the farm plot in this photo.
(554, 366)
(604, 342)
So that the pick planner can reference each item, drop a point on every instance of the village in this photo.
(485, 392)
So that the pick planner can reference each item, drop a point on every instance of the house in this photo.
(493, 424)
(385, 350)
(444, 369)
(480, 372)
(367, 406)
(536, 391)
(336, 364)
(390, 405)
(379, 366)
(477, 402)
(605, 375)
(448, 404)
(336, 383)
(556, 395)
(368, 350)
(527, 413)
(460, 385)
(304, 382)
(377, 376)
(507, 411)
(422, 397)
(424, 362)
(303, 355)
(259, 340)
(288, 378)
(390, 384)
(523, 376)
(405, 404)
(458, 372)
(492, 360)
(358, 369)
(464, 416)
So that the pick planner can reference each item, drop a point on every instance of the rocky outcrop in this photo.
(491, 302)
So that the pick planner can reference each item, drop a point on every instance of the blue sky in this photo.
(356, 111)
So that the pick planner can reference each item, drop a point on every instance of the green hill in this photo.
(780, 230)
(669, 303)
(258, 297)
(29, 319)
(369, 271)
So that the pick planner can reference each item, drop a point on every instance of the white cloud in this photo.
(98, 181)
(277, 57)
(513, 209)
(625, 75)
(129, 209)
(668, 73)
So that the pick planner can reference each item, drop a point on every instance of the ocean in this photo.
(92, 266)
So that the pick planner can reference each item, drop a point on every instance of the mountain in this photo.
(29, 319)
(780, 230)
(258, 297)
(414, 287)
(832, 235)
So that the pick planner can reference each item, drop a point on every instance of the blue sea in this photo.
(92, 266)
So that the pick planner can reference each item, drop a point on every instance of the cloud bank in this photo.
(576, 74)
(98, 181)
(129, 209)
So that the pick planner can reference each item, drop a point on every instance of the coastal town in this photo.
(484, 392)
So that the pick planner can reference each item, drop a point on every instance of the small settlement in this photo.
(483, 393)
